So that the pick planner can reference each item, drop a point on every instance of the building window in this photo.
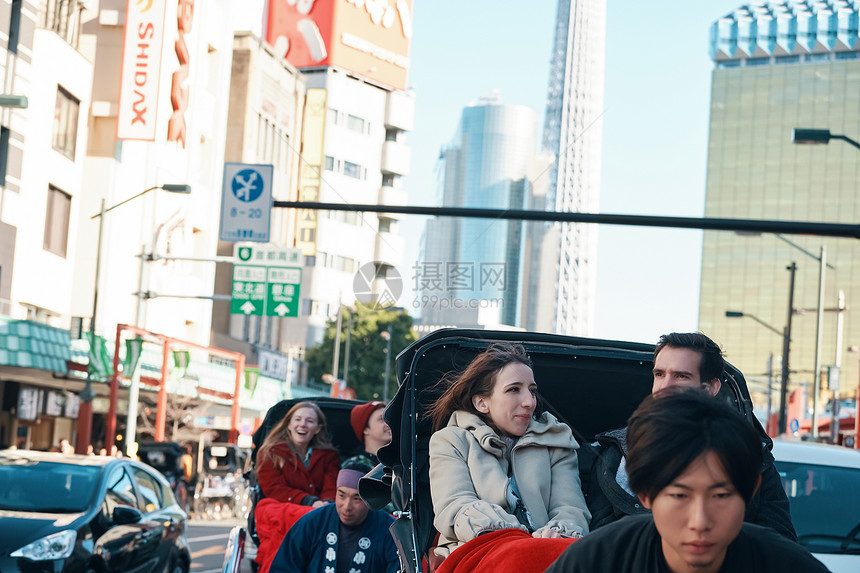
(57, 221)
(14, 26)
(352, 170)
(344, 264)
(66, 123)
(64, 18)
(391, 135)
(329, 163)
(388, 179)
(385, 225)
(4, 153)
(332, 116)
(355, 123)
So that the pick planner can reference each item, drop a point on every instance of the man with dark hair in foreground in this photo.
(685, 360)
(695, 463)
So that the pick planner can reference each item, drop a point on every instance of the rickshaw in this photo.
(222, 490)
(166, 457)
(591, 384)
(337, 412)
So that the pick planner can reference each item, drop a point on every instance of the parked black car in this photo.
(87, 513)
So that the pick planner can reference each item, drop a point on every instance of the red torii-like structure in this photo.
(161, 413)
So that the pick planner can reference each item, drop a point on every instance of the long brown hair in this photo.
(279, 434)
(477, 379)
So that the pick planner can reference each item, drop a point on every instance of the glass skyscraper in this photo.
(779, 66)
(472, 264)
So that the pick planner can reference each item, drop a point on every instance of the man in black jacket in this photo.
(689, 360)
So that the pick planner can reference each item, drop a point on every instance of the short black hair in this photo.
(712, 363)
(673, 427)
(358, 463)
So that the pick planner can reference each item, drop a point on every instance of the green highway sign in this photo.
(266, 280)
(283, 292)
(249, 290)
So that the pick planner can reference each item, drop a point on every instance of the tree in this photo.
(367, 349)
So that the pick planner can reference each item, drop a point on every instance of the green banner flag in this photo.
(181, 360)
(133, 349)
(252, 375)
(100, 362)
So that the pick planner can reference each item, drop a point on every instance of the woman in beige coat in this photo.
(494, 465)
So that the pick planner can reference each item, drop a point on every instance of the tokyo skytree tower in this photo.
(573, 132)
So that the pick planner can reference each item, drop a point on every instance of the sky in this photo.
(655, 125)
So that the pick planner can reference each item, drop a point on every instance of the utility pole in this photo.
(819, 331)
(786, 348)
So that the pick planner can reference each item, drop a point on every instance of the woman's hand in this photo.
(319, 503)
(546, 533)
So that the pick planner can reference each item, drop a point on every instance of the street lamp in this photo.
(786, 348)
(818, 137)
(786, 345)
(85, 433)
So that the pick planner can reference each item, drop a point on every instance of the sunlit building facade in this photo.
(779, 66)
(354, 57)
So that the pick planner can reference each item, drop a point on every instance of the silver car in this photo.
(822, 483)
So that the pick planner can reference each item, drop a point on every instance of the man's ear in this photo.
(480, 404)
(646, 502)
(713, 386)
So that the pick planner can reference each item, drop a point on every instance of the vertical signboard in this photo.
(313, 136)
(246, 202)
(141, 69)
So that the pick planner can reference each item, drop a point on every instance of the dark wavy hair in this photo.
(477, 379)
(712, 363)
(672, 428)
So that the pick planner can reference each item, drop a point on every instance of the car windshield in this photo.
(41, 486)
(825, 513)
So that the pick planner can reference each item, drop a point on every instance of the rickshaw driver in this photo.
(690, 360)
(343, 537)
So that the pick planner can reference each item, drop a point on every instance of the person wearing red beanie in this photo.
(370, 427)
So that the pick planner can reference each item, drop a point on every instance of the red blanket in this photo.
(504, 551)
(272, 519)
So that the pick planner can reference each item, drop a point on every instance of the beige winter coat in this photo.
(469, 475)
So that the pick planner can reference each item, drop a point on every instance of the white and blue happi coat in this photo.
(311, 545)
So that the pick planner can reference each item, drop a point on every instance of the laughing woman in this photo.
(297, 462)
(494, 464)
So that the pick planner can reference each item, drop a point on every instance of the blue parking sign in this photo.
(246, 202)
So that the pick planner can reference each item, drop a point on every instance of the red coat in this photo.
(294, 481)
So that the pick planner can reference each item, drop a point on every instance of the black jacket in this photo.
(634, 544)
(607, 501)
